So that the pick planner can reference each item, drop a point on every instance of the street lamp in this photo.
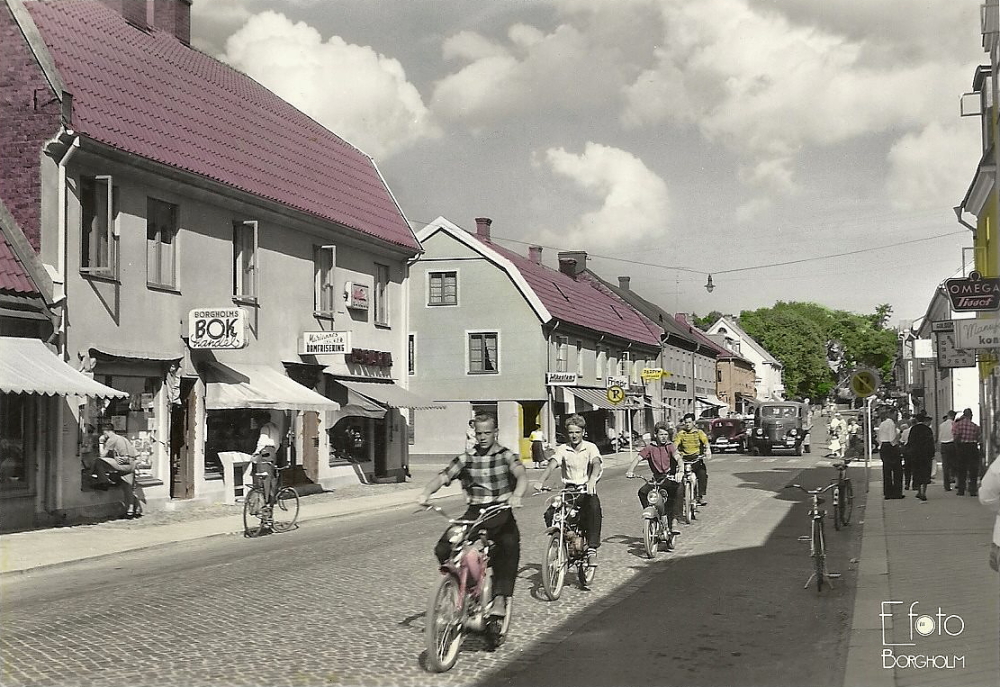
(709, 286)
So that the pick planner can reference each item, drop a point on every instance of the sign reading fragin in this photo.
(560, 378)
(972, 293)
(977, 334)
(324, 343)
(217, 328)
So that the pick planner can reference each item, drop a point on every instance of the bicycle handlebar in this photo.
(811, 492)
(487, 512)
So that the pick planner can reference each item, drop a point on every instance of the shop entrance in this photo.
(182, 443)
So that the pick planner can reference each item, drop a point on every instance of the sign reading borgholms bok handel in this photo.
(973, 293)
(216, 328)
(977, 334)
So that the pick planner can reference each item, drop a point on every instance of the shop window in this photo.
(562, 351)
(324, 261)
(245, 262)
(161, 243)
(13, 452)
(411, 354)
(442, 288)
(381, 295)
(483, 353)
(98, 211)
(134, 418)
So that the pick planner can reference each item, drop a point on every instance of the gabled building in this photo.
(215, 253)
(495, 331)
(732, 389)
(768, 383)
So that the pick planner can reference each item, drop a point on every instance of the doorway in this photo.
(182, 442)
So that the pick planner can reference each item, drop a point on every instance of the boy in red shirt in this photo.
(662, 458)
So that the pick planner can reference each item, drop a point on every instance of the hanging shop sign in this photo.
(977, 333)
(560, 378)
(362, 356)
(617, 380)
(217, 328)
(950, 355)
(356, 295)
(973, 293)
(652, 374)
(324, 343)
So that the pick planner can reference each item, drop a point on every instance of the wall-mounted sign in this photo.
(216, 328)
(617, 380)
(950, 355)
(362, 356)
(973, 293)
(356, 295)
(560, 378)
(324, 343)
(977, 333)
(651, 374)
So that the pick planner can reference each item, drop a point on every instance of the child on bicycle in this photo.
(662, 458)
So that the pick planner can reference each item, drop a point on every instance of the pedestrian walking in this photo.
(537, 439)
(947, 441)
(920, 453)
(966, 434)
(892, 463)
(989, 496)
(904, 435)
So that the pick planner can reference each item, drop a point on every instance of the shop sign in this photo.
(973, 293)
(977, 333)
(560, 378)
(356, 295)
(324, 343)
(949, 355)
(651, 374)
(221, 328)
(617, 380)
(362, 356)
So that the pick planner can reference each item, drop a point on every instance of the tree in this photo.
(703, 323)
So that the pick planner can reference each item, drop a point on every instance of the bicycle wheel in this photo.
(819, 554)
(554, 567)
(286, 510)
(649, 537)
(253, 513)
(686, 499)
(443, 634)
(846, 502)
(693, 503)
(838, 500)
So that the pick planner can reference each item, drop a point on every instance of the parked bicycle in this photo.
(689, 493)
(655, 522)
(463, 598)
(817, 538)
(279, 513)
(567, 545)
(843, 496)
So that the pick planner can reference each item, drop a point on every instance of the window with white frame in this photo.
(562, 351)
(484, 353)
(411, 354)
(161, 243)
(602, 359)
(98, 210)
(245, 261)
(324, 295)
(579, 358)
(442, 288)
(381, 294)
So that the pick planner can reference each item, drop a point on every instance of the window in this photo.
(411, 354)
(14, 468)
(624, 362)
(562, 344)
(442, 288)
(602, 358)
(579, 358)
(483, 353)
(161, 243)
(324, 261)
(245, 261)
(98, 210)
(381, 297)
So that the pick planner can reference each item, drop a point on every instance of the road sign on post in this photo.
(865, 383)
(616, 394)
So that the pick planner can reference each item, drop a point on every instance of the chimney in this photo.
(578, 256)
(134, 11)
(623, 283)
(567, 266)
(173, 16)
(535, 254)
(483, 228)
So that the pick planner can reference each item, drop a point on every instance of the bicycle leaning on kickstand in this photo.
(279, 513)
(817, 538)
(843, 495)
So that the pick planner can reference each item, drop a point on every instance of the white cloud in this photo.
(213, 21)
(360, 95)
(634, 201)
(932, 169)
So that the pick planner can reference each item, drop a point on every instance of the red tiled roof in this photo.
(149, 94)
(13, 276)
(722, 351)
(579, 302)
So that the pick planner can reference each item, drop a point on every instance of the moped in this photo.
(567, 545)
(655, 528)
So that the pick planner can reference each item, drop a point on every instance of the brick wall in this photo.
(24, 127)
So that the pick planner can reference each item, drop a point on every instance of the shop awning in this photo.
(357, 406)
(27, 366)
(390, 395)
(712, 400)
(106, 353)
(231, 385)
(598, 398)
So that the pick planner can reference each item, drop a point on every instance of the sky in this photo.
(670, 139)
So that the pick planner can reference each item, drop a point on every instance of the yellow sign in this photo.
(650, 374)
(616, 394)
(864, 383)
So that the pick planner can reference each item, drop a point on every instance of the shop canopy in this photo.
(712, 400)
(390, 395)
(598, 398)
(231, 385)
(27, 366)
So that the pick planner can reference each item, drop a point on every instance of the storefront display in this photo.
(134, 418)
(13, 467)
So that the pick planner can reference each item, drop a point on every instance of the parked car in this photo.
(781, 425)
(728, 434)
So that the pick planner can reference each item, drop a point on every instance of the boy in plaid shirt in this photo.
(490, 474)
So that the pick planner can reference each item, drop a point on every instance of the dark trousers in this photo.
(967, 466)
(505, 554)
(892, 471)
(948, 463)
(670, 508)
(701, 474)
(907, 470)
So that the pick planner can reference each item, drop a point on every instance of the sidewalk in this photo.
(933, 554)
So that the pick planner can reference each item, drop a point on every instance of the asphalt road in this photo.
(342, 602)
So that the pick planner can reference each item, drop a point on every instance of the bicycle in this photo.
(817, 539)
(689, 493)
(843, 496)
(279, 514)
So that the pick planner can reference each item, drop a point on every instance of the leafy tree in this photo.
(703, 323)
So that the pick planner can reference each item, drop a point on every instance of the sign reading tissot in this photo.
(217, 328)
(973, 293)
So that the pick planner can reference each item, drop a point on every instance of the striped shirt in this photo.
(486, 478)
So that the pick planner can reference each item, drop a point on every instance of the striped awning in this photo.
(390, 394)
(27, 366)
